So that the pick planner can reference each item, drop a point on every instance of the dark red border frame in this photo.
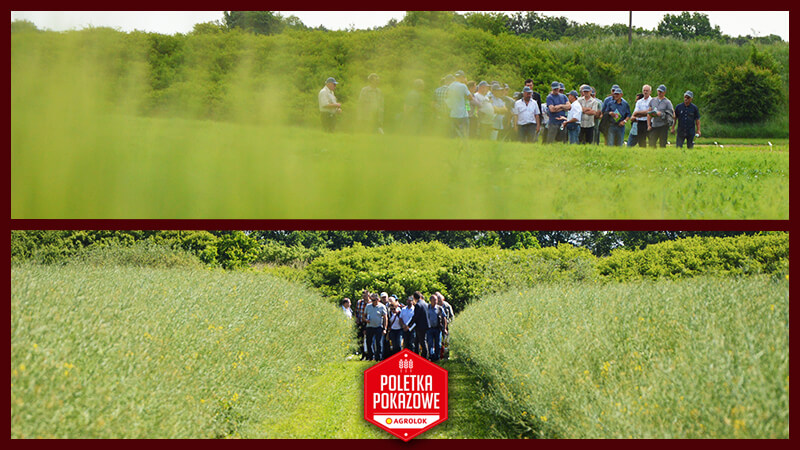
(318, 5)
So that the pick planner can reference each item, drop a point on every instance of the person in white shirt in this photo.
(328, 106)
(346, 308)
(407, 322)
(485, 110)
(640, 110)
(574, 115)
(526, 116)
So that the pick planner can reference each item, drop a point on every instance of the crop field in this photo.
(154, 353)
(131, 167)
(105, 351)
(700, 358)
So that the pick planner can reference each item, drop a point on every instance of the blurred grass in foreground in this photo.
(700, 358)
(114, 166)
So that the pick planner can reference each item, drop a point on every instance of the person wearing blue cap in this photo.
(688, 120)
(617, 114)
(328, 106)
(660, 118)
(604, 120)
(557, 105)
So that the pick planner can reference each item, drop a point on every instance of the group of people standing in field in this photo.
(385, 326)
(488, 110)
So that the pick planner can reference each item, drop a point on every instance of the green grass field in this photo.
(115, 166)
(699, 358)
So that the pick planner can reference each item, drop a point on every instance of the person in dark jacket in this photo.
(421, 321)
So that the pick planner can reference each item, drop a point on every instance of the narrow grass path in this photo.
(332, 406)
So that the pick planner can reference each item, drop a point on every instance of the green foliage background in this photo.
(234, 75)
(474, 264)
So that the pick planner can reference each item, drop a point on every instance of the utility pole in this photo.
(630, 27)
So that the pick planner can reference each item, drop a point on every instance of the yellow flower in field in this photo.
(68, 365)
(202, 400)
(35, 346)
(524, 413)
(772, 307)
(544, 418)
(22, 367)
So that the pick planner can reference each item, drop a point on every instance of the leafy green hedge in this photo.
(463, 275)
(460, 274)
(740, 255)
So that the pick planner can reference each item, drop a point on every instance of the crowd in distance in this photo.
(385, 325)
(485, 110)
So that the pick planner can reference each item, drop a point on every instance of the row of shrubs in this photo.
(463, 275)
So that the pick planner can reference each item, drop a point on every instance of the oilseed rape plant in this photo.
(113, 352)
(697, 358)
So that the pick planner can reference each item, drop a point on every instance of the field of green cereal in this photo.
(699, 358)
(121, 352)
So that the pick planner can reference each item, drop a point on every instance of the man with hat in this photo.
(457, 97)
(557, 105)
(328, 106)
(574, 115)
(536, 97)
(370, 106)
(485, 110)
(590, 110)
(526, 116)
(500, 112)
(688, 120)
(617, 113)
(605, 120)
(660, 118)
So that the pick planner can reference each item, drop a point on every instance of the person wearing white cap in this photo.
(660, 118)
(328, 106)
(526, 116)
(688, 121)
(370, 106)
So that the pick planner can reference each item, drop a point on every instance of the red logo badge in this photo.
(405, 395)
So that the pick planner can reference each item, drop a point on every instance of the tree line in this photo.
(236, 249)
(684, 26)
